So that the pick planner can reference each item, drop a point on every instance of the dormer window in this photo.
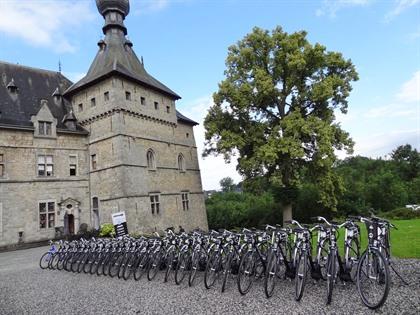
(11, 86)
(92, 102)
(128, 96)
(44, 128)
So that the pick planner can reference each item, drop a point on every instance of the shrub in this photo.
(401, 214)
(107, 229)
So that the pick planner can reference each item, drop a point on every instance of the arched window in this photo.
(151, 161)
(181, 163)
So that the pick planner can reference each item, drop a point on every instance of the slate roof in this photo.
(185, 119)
(116, 56)
(32, 85)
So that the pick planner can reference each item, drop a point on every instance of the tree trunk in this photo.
(287, 213)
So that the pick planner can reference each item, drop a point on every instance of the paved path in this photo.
(26, 289)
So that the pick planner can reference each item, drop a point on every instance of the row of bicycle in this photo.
(270, 255)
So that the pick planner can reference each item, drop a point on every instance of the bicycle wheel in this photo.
(373, 279)
(182, 267)
(115, 264)
(44, 262)
(129, 266)
(331, 271)
(142, 266)
(54, 261)
(301, 275)
(75, 262)
(226, 270)
(246, 272)
(353, 258)
(195, 260)
(169, 265)
(102, 264)
(83, 260)
(322, 259)
(212, 269)
(154, 265)
(68, 261)
(95, 263)
(61, 260)
(123, 264)
(270, 275)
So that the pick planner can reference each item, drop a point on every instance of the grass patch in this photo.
(405, 242)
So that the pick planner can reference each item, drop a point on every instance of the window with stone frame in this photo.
(93, 161)
(151, 159)
(181, 163)
(106, 96)
(2, 167)
(128, 95)
(92, 102)
(73, 165)
(142, 100)
(156, 105)
(46, 214)
(155, 204)
(185, 201)
(45, 128)
(45, 165)
(80, 107)
(168, 109)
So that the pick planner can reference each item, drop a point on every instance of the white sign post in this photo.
(120, 223)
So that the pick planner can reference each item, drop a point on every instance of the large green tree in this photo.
(275, 111)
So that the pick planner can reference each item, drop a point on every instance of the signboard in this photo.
(120, 223)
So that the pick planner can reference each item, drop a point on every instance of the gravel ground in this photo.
(26, 289)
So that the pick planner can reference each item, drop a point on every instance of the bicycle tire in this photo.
(246, 271)
(226, 270)
(379, 270)
(195, 260)
(331, 264)
(301, 275)
(182, 267)
(211, 272)
(270, 275)
(44, 262)
(169, 265)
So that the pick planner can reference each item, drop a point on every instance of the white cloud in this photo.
(400, 7)
(410, 91)
(213, 169)
(44, 23)
(383, 143)
(331, 7)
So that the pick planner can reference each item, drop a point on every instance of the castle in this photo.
(113, 141)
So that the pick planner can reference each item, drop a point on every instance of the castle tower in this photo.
(143, 156)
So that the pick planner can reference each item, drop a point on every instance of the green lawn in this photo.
(405, 242)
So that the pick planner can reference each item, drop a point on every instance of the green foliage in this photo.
(401, 214)
(275, 110)
(379, 185)
(107, 229)
(308, 204)
(232, 209)
(227, 184)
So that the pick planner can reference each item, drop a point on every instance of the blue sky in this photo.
(184, 44)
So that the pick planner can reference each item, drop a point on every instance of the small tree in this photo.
(227, 184)
(275, 111)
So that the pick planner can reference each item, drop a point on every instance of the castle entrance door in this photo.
(70, 220)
